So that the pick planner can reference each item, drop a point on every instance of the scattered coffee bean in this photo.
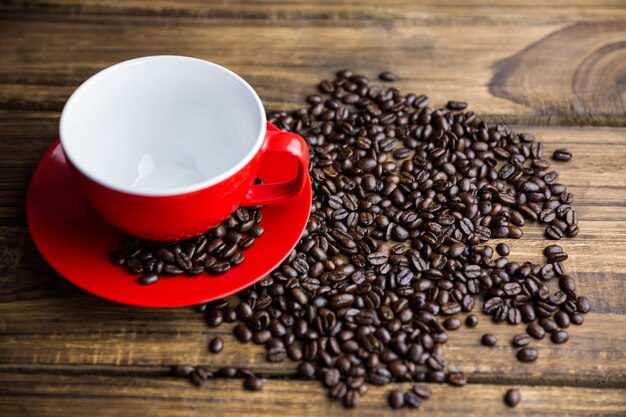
(521, 340)
(253, 383)
(503, 249)
(535, 331)
(387, 76)
(527, 354)
(216, 345)
(562, 155)
(488, 340)
(456, 105)
(560, 336)
(148, 279)
(182, 370)
(512, 397)
(411, 399)
(396, 399)
(452, 323)
(471, 320)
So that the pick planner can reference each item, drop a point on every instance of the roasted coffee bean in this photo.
(582, 305)
(554, 233)
(134, 266)
(242, 333)
(536, 331)
(452, 323)
(521, 340)
(216, 345)
(214, 317)
(411, 399)
(488, 340)
(182, 370)
(456, 105)
(253, 383)
(562, 155)
(387, 76)
(227, 372)
(148, 279)
(559, 336)
(562, 319)
(527, 354)
(512, 397)
(471, 320)
(503, 249)
(396, 399)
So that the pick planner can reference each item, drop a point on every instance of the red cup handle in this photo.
(280, 192)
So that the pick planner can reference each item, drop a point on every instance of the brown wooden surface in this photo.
(557, 68)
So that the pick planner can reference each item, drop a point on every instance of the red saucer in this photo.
(77, 242)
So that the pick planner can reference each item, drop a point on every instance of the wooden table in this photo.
(558, 69)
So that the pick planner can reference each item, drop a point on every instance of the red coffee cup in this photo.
(167, 147)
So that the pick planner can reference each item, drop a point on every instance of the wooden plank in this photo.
(580, 47)
(44, 395)
(47, 322)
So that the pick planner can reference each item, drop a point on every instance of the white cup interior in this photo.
(162, 125)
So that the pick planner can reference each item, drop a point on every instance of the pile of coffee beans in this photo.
(406, 198)
(215, 251)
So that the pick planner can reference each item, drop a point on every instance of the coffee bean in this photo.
(306, 370)
(535, 331)
(488, 340)
(216, 345)
(521, 340)
(214, 317)
(559, 336)
(387, 76)
(182, 370)
(242, 333)
(562, 319)
(396, 399)
(527, 354)
(512, 397)
(456, 105)
(148, 279)
(471, 320)
(562, 155)
(134, 266)
(503, 249)
(577, 319)
(452, 323)
(554, 233)
(227, 372)
(582, 305)
(253, 383)
(411, 399)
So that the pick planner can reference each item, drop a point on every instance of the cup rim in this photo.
(99, 76)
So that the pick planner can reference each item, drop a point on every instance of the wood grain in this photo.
(65, 352)
(557, 64)
(45, 395)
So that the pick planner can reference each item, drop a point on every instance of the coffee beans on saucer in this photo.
(395, 253)
(215, 251)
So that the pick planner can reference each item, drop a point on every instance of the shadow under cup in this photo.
(165, 147)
